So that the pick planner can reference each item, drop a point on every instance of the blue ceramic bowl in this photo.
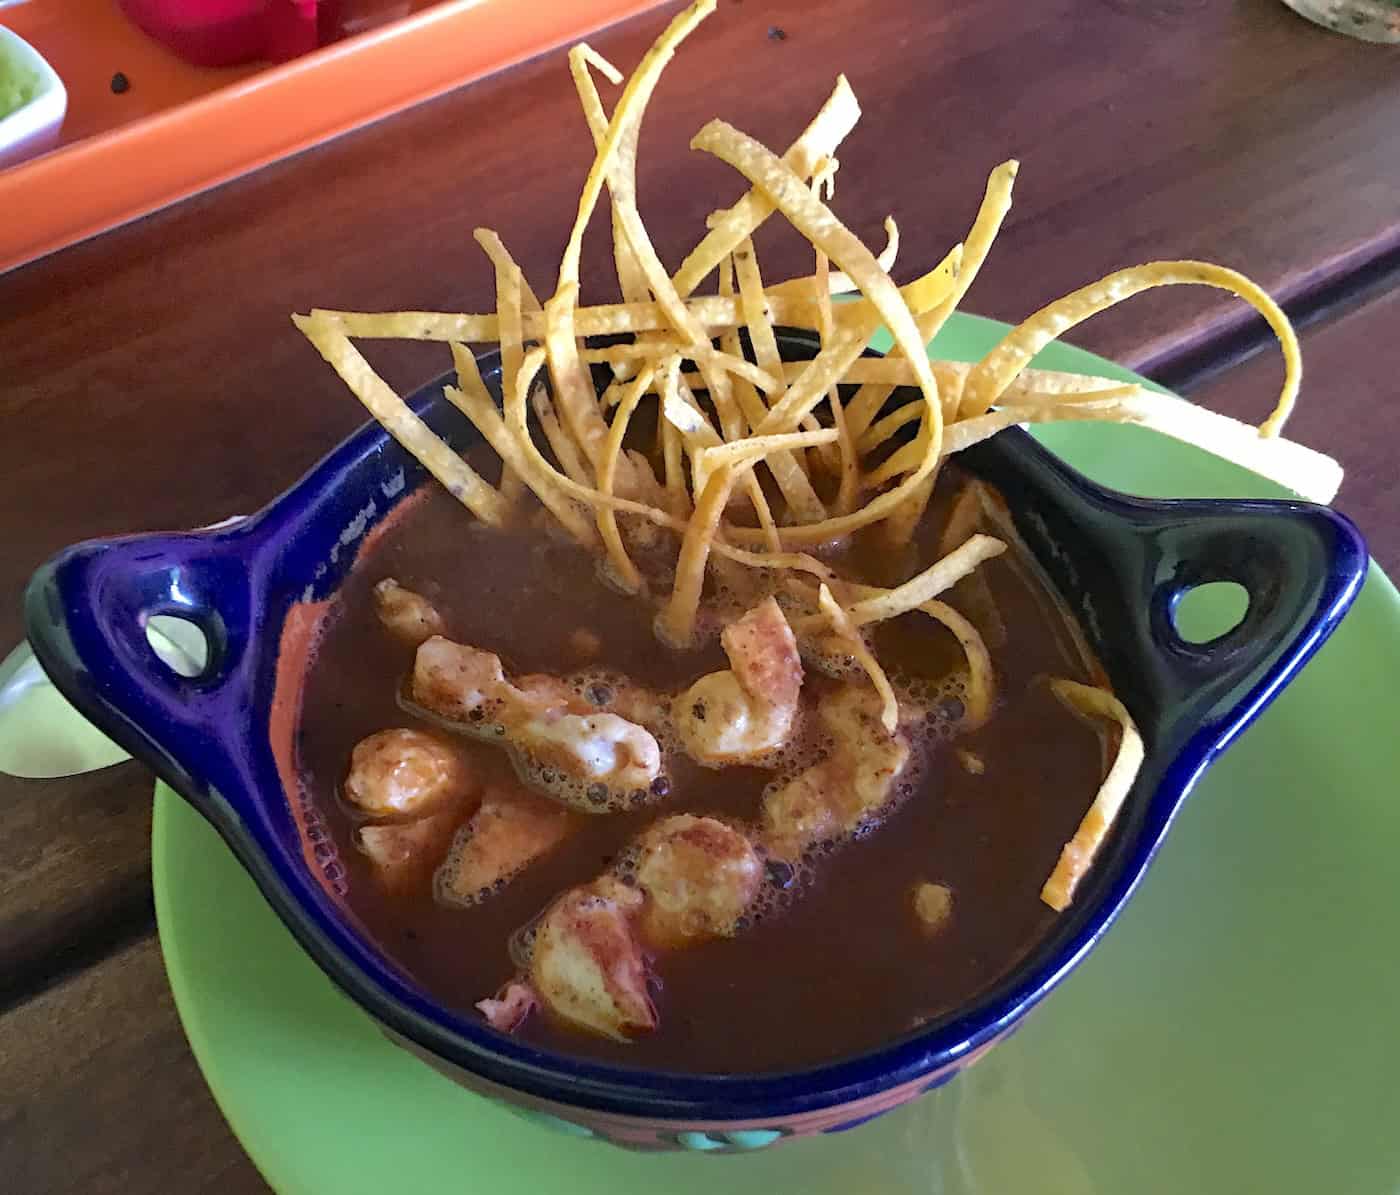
(1121, 564)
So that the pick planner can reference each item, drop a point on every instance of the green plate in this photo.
(1234, 1032)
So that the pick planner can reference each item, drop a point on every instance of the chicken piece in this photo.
(405, 614)
(587, 967)
(543, 718)
(510, 830)
(405, 772)
(695, 876)
(508, 1011)
(972, 763)
(744, 714)
(604, 748)
(404, 854)
(699, 875)
(833, 798)
(933, 906)
(458, 682)
(802, 811)
(762, 652)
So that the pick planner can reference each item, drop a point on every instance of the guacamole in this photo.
(19, 84)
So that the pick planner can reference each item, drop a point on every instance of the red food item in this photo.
(228, 32)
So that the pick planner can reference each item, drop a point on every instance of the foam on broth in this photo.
(832, 959)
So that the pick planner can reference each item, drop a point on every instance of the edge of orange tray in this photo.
(91, 186)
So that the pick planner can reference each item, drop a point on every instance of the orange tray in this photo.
(182, 128)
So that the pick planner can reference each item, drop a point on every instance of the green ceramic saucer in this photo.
(1235, 1031)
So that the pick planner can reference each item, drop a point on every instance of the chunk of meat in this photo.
(803, 811)
(407, 615)
(458, 682)
(699, 875)
(972, 762)
(695, 877)
(543, 718)
(933, 906)
(405, 772)
(747, 712)
(833, 798)
(762, 652)
(601, 747)
(510, 830)
(404, 854)
(508, 1010)
(587, 966)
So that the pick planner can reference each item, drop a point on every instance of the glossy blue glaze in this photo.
(1120, 563)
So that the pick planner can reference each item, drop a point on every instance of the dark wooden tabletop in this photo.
(150, 378)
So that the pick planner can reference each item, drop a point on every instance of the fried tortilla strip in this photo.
(831, 125)
(394, 415)
(475, 402)
(995, 372)
(574, 392)
(1078, 854)
(845, 628)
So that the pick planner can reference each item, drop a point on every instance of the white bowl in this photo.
(33, 126)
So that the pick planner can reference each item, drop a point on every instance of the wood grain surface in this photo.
(75, 874)
(101, 1093)
(151, 379)
(1351, 376)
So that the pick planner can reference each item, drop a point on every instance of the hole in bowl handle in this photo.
(87, 613)
(1300, 566)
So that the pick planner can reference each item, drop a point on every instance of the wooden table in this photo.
(150, 378)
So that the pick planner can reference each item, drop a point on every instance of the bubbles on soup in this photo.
(445, 877)
(521, 944)
(931, 713)
(785, 881)
(592, 690)
(782, 882)
(577, 792)
(323, 848)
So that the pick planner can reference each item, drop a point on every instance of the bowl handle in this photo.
(87, 613)
(1300, 567)
(1122, 564)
